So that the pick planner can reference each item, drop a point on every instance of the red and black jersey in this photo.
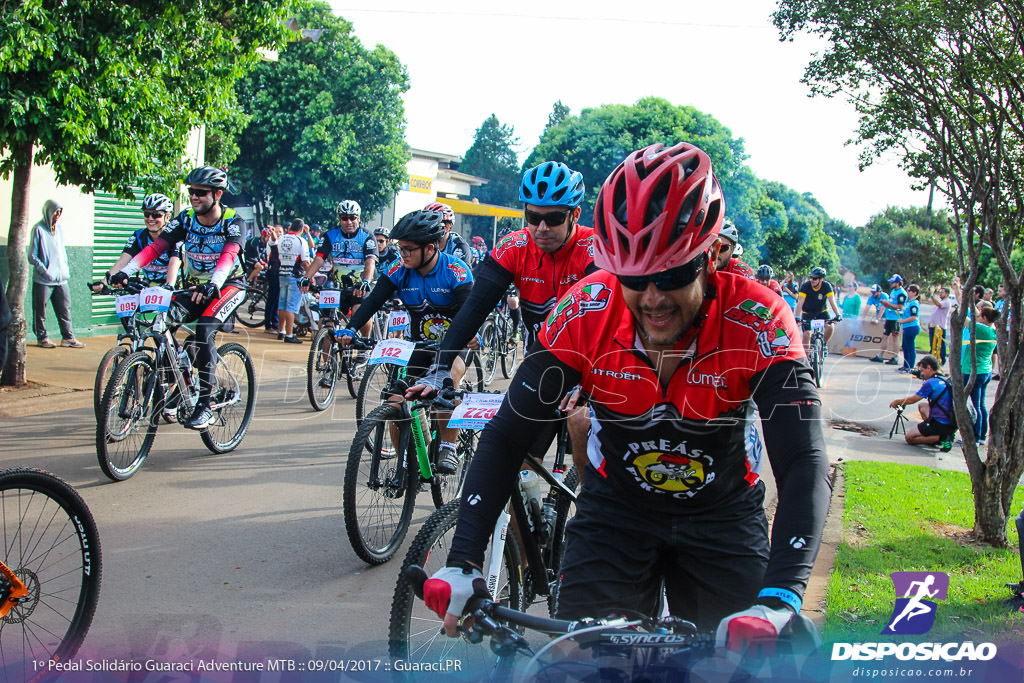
(542, 277)
(738, 267)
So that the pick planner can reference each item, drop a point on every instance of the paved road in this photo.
(245, 555)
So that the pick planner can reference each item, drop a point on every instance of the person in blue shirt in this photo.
(875, 300)
(433, 286)
(911, 328)
(939, 424)
(893, 308)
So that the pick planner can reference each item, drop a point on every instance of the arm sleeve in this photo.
(532, 397)
(226, 263)
(150, 252)
(372, 302)
(791, 420)
(490, 283)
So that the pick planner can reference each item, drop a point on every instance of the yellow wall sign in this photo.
(418, 183)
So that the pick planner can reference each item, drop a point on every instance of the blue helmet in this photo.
(552, 184)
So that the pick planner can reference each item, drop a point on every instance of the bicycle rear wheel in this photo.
(414, 631)
(51, 544)
(105, 371)
(234, 388)
(252, 312)
(128, 416)
(488, 351)
(473, 380)
(356, 365)
(378, 499)
(508, 346)
(322, 369)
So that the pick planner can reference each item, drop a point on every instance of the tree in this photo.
(327, 124)
(939, 85)
(792, 228)
(107, 93)
(845, 236)
(910, 242)
(559, 112)
(597, 140)
(493, 156)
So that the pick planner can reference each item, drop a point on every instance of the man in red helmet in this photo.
(675, 357)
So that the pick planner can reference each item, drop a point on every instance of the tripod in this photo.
(899, 425)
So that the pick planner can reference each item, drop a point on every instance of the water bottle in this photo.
(531, 489)
(185, 363)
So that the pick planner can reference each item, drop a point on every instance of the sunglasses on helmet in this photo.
(550, 218)
(666, 280)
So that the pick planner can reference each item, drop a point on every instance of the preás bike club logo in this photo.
(914, 612)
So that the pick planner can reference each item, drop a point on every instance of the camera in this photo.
(916, 372)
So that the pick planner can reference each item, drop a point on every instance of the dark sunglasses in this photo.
(197, 192)
(153, 214)
(666, 280)
(347, 217)
(551, 218)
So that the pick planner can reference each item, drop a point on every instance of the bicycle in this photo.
(414, 631)
(160, 380)
(818, 350)
(394, 451)
(627, 647)
(253, 311)
(50, 570)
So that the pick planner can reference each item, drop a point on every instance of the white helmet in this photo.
(157, 202)
(349, 207)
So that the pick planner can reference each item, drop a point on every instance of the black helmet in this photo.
(422, 227)
(765, 272)
(818, 271)
(208, 176)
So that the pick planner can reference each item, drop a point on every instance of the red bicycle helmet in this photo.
(443, 209)
(660, 208)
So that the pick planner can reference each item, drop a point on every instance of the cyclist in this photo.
(766, 277)
(812, 301)
(212, 238)
(673, 355)
(433, 286)
(388, 254)
(893, 307)
(479, 250)
(452, 243)
(730, 250)
(352, 252)
(156, 210)
(544, 259)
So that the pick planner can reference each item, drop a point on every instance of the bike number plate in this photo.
(817, 324)
(398, 321)
(330, 298)
(475, 411)
(126, 305)
(393, 351)
(155, 299)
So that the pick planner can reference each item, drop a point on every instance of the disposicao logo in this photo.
(914, 612)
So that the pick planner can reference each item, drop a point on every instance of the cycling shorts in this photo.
(891, 327)
(932, 427)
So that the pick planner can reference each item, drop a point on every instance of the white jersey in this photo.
(292, 249)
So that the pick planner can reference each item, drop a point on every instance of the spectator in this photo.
(272, 323)
(790, 289)
(911, 328)
(875, 300)
(255, 254)
(293, 251)
(49, 258)
(938, 422)
(938, 323)
(892, 310)
(985, 343)
(852, 302)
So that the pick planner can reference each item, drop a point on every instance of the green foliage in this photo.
(222, 133)
(559, 112)
(598, 139)
(493, 156)
(907, 241)
(327, 123)
(791, 231)
(845, 236)
(108, 92)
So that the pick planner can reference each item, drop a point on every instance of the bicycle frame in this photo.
(14, 592)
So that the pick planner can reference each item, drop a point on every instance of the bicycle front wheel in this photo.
(446, 487)
(818, 359)
(51, 544)
(232, 399)
(414, 631)
(104, 372)
(128, 416)
(322, 370)
(379, 495)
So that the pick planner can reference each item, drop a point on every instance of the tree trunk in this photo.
(17, 241)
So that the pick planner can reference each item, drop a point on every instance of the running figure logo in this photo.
(914, 613)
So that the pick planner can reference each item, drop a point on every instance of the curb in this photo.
(824, 564)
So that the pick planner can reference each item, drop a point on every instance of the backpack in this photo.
(952, 415)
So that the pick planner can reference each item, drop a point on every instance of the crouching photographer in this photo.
(939, 423)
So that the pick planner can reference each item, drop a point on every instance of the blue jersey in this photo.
(898, 297)
(202, 244)
(155, 270)
(940, 399)
(912, 309)
(347, 254)
(430, 299)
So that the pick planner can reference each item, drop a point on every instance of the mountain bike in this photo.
(126, 306)
(628, 647)
(253, 311)
(516, 572)
(818, 351)
(160, 380)
(393, 453)
(50, 568)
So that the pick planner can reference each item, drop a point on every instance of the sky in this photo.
(467, 60)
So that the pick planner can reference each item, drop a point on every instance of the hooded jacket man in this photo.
(49, 259)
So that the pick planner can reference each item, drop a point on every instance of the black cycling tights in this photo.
(206, 362)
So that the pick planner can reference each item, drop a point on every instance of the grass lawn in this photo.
(909, 518)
